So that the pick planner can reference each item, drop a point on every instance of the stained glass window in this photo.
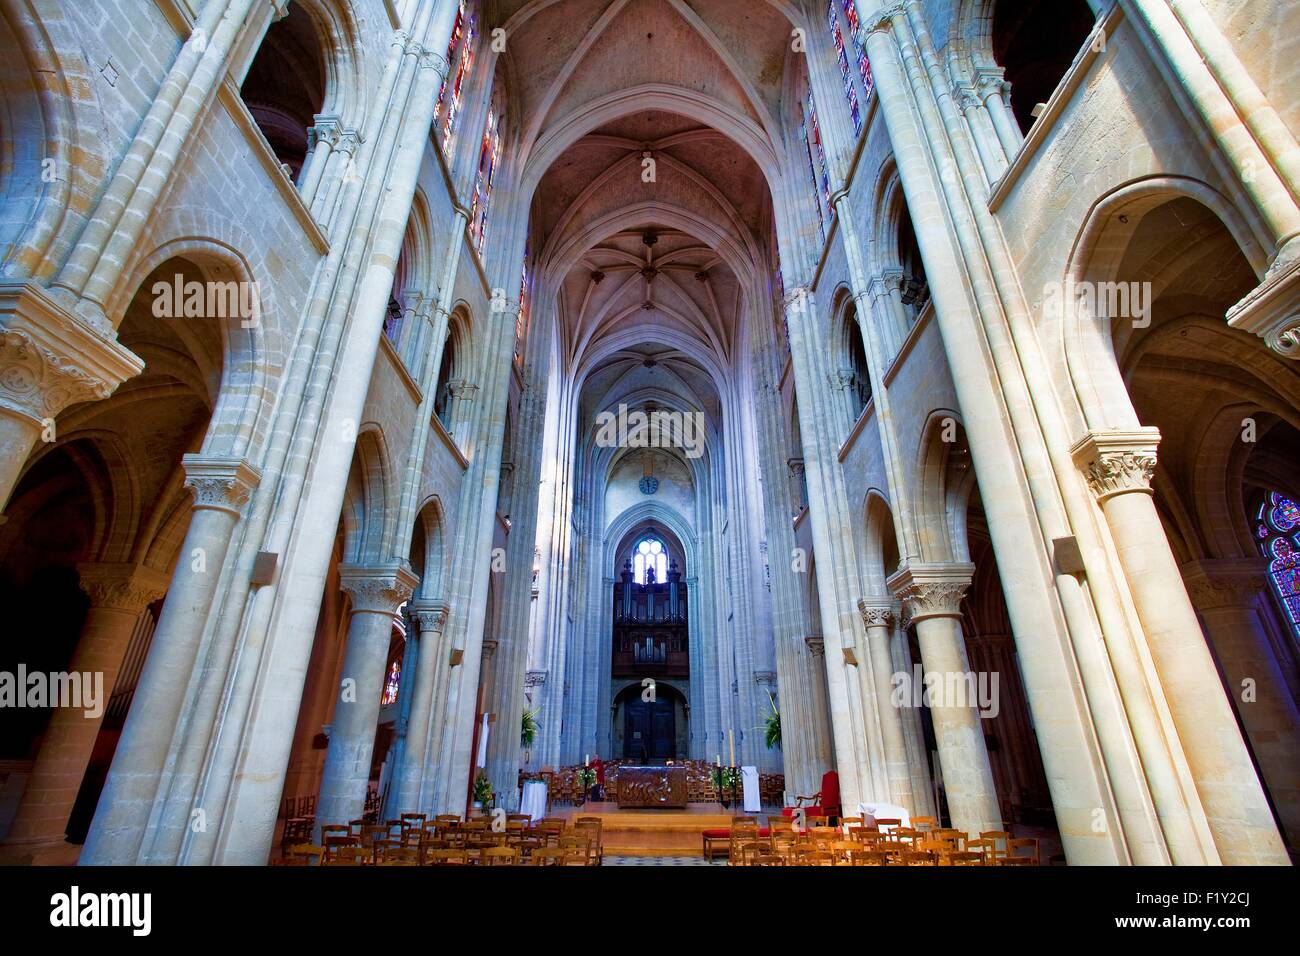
(392, 685)
(521, 323)
(650, 553)
(811, 134)
(854, 27)
(850, 88)
(453, 86)
(488, 157)
(1278, 530)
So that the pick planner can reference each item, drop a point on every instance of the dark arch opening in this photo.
(1035, 41)
(285, 86)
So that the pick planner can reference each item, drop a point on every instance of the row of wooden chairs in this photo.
(886, 842)
(447, 840)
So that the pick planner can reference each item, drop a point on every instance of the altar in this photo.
(646, 787)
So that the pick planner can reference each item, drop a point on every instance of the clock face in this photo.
(649, 485)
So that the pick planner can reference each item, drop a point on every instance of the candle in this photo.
(586, 761)
(718, 760)
(731, 741)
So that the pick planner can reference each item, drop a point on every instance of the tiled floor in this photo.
(661, 861)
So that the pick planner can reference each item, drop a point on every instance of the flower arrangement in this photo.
(483, 794)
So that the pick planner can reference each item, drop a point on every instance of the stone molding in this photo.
(931, 590)
(1219, 583)
(222, 484)
(51, 358)
(1272, 310)
(430, 617)
(1117, 461)
(122, 587)
(377, 589)
(874, 614)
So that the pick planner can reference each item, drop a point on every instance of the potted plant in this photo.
(528, 728)
(772, 724)
(483, 795)
(587, 779)
(727, 780)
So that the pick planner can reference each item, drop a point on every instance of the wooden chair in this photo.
(500, 856)
(398, 856)
(919, 858)
(449, 857)
(591, 825)
(999, 843)
(1015, 844)
(983, 847)
(546, 856)
(923, 824)
(574, 856)
(350, 855)
(864, 857)
(965, 858)
(302, 854)
(413, 820)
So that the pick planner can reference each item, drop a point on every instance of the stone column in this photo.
(877, 618)
(376, 594)
(430, 620)
(932, 594)
(991, 86)
(118, 593)
(1118, 465)
(221, 488)
(1226, 593)
(824, 757)
(49, 359)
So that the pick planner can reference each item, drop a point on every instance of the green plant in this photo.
(772, 724)
(587, 777)
(528, 728)
(483, 789)
(727, 778)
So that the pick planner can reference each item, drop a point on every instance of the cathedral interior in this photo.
(867, 431)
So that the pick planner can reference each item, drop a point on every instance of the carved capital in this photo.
(883, 21)
(796, 467)
(535, 678)
(765, 678)
(430, 617)
(1222, 583)
(1272, 309)
(223, 484)
(816, 645)
(875, 614)
(489, 649)
(348, 141)
(380, 589)
(989, 81)
(326, 130)
(931, 590)
(123, 587)
(1117, 461)
(51, 358)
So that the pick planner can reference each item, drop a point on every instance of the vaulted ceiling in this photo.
(652, 264)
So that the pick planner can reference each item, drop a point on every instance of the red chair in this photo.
(824, 803)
